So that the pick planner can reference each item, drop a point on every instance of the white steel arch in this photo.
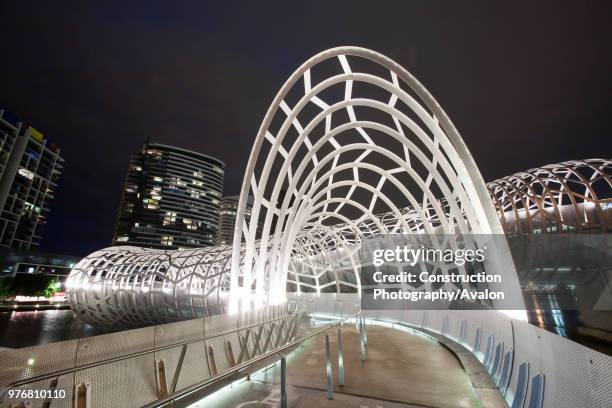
(351, 134)
(129, 287)
(352, 147)
(572, 196)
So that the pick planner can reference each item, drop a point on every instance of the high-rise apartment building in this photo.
(227, 218)
(30, 167)
(171, 199)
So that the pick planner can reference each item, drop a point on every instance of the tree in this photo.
(29, 285)
(5, 287)
(52, 287)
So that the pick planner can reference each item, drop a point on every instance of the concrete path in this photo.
(401, 370)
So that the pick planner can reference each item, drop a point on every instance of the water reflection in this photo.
(544, 311)
(24, 329)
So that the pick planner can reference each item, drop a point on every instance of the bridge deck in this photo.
(402, 370)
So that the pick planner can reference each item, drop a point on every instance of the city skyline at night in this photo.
(294, 204)
(99, 85)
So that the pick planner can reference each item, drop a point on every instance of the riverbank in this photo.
(32, 306)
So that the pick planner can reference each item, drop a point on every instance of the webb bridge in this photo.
(353, 147)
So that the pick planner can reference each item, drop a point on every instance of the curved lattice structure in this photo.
(573, 196)
(352, 146)
(128, 286)
(351, 134)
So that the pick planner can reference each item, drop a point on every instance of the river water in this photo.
(24, 329)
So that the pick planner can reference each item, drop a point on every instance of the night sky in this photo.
(525, 83)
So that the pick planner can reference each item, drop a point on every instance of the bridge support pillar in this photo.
(328, 368)
(340, 359)
(283, 384)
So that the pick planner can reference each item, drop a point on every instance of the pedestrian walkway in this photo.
(401, 370)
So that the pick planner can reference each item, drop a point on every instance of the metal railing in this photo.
(236, 370)
(293, 325)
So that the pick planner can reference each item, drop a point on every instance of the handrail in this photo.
(59, 373)
(238, 368)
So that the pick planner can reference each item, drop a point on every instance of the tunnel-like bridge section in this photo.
(354, 147)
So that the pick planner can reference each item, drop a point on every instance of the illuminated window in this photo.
(154, 153)
(26, 173)
(169, 218)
